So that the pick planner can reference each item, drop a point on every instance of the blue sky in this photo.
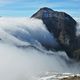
(28, 7)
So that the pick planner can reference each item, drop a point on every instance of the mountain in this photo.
(63, 26)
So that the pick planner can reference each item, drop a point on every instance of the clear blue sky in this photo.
(28, 7)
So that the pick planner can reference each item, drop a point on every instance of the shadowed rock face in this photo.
(75, 48)
(63, 26)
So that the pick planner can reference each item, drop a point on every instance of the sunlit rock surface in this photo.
(59, 76)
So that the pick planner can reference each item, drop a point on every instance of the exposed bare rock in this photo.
(63, 27)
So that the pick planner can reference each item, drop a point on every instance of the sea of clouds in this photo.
(20, 60)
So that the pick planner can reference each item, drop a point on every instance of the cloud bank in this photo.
(17, 63)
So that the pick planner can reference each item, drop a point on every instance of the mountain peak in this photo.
(46, 8)
(46, 12)
(63, 27)
(43, 13)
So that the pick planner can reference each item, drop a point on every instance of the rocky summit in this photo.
(63, 26)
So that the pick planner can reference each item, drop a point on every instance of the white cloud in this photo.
(27, 64)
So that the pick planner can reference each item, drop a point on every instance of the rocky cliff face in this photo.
(63, 26)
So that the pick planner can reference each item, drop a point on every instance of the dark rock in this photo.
(71, 78)
(75, 48)
(63, 26)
